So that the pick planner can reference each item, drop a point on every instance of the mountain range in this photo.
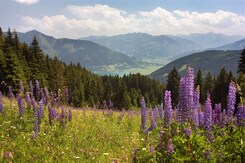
(89, 54)
(135, 52)
(164, 48)
(208, 61)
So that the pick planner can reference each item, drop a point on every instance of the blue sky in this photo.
(79, 18)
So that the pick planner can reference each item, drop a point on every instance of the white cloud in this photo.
(80, 21)
(28, 2)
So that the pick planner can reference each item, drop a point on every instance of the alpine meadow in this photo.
(123, 81)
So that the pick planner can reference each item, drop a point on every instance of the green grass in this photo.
(92, 136)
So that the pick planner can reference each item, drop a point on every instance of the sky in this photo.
(81, 18)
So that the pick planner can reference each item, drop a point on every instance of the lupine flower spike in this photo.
(1, 104)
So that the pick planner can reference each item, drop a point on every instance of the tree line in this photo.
(22, 62)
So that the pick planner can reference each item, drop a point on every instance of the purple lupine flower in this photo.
(160, 111)
(42, 94)
(67, 95)
(21, 86)
(190, 90)
(170, 147)
(28, 100)
(153, 122)
(231, 101)
(52, 99)
(51, 115)
(167, 109)
(201, 119)
(241, 115)
(182, 106)
(225, 117)
(218, 117)
(143, 114)
(196, 110)
(62, 116)
(46, 95)
(208, 114)
(38, 90)
(10, 93)
(207, 154)
(40, 110)
(152, 149)
(35, 119)
(20, 105)
(31, 88)
(69, 114)
(1, 104)
(188, 132)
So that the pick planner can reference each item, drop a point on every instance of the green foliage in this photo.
(173, 85)
(241, 63)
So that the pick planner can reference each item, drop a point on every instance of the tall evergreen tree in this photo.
(208, 85)
(221, 88)
(241, 63)
(173, 85)
(199, 82)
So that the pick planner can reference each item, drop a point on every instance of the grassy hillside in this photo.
(209, 61)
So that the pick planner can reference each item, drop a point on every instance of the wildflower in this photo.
(31, 88)
(46, 95)
(167, 109)
(51, 114)
(40, 110)
(188, 132)
(208, 114)
(21, 86)
(69, 114)
(207, 154)
(170, 147)
(28, 100)
(52, 99)
(241, 115)
(153, 122)
(143, 114)
(35, 120)
(38, 92)
(10, 93)
(231, 101)
(218, 117)
(152, 149)
(62, 116)
(20, 105)
(190, 89)
(1, 104)
(196, 110)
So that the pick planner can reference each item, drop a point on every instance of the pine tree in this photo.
(208, 85)
(1, 38)
(173, 85)
(14, 72)
(8, 42)
(221, 88)
(199, 82)
(241, 63)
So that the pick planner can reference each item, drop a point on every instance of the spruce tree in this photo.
(241, 63)
(199, 82)
(173, 85)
